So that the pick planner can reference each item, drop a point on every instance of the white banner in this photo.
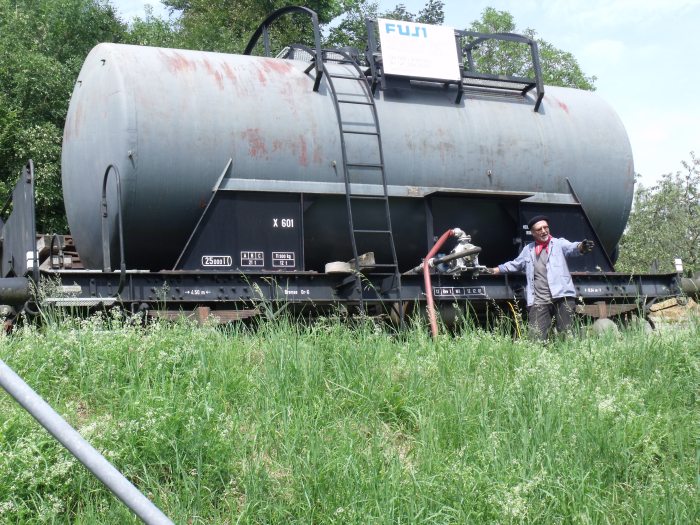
(418, 50)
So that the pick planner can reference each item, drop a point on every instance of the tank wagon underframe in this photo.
(184, 291)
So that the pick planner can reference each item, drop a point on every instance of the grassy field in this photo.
(336, 424)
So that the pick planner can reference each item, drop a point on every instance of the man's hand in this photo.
(492, 271)
(586, 246)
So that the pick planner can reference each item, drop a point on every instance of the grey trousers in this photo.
(540, 317)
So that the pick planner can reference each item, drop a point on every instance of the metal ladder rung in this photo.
(357, 132)
(364, 165)
(347, 77)
(368, 197)
(361, 103)
(382, 232)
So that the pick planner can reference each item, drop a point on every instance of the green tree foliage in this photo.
(665, 223)
(352, 30)
(42, 46)
(432, 13)
(227, 25)
(152, 31)
(559, 68)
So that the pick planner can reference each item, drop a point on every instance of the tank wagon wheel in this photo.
(399, 312)
(619, 323)
(637, 321)
(604, 325)
(8, 325)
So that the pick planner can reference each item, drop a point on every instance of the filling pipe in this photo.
(428, 285)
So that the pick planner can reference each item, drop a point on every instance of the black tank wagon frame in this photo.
(30, 261)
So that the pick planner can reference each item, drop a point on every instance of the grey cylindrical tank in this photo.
(170, 120)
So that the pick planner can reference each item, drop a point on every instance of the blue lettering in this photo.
(405, 30)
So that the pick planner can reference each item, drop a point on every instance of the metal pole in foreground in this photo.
(81, 449)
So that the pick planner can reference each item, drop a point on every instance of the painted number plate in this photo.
(216, 260)
(459, 291)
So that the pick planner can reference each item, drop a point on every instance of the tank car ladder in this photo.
(380, 230)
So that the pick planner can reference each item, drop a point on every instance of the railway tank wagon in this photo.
(320, 177)
(171, 120)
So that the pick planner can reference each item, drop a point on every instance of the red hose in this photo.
(428, 285)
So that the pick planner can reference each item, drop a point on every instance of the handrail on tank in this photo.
(480, 38)
(262, 30)
(106, 258)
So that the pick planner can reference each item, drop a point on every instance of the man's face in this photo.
(540, 231)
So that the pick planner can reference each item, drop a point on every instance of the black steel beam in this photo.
(188, 289)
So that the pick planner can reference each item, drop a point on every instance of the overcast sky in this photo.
(644, 54)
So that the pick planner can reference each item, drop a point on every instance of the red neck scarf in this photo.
(544, 245)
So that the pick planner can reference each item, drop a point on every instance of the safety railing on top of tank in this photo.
(264, 32)
(474, 78)
(467, 42)
(106, 256)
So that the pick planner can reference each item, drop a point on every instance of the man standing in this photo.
(550, 291)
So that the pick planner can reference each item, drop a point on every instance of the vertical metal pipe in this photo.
(432, 316)
(81, 449)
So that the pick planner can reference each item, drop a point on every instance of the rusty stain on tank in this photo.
(77, 119)
(303, 153)
(256, 143)
(317, 153)
(215, 73)
(228, 72)
(299, 148)
(276, 66)
(561, 104)
(266, 66)
(176, 63)
(439, 141)
(261, 77)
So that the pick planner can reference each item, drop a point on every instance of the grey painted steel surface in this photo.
(170, 120)
(81, 449)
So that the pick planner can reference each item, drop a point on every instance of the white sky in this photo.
(644, 53)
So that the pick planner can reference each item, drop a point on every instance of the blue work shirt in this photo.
(558, 276)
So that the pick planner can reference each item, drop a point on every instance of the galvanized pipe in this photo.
(81, 449)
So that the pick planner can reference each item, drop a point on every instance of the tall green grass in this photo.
(331, 423)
